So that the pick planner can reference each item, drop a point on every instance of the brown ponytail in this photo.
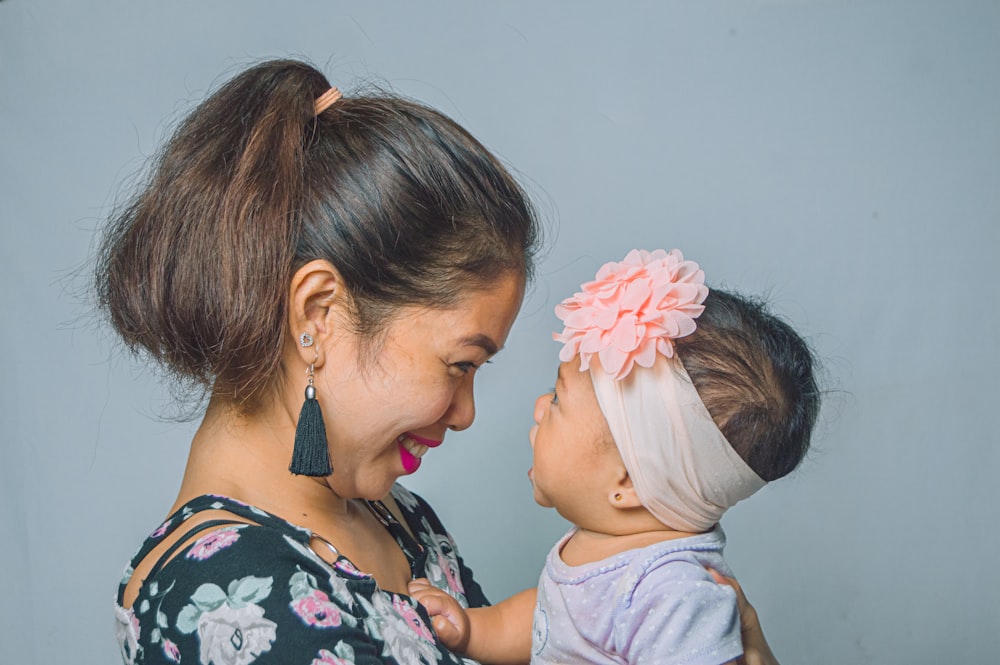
(408, 206)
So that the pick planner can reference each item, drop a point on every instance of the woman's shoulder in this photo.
(249, 588)
(242, 568)
(211, 536)
(219, 518)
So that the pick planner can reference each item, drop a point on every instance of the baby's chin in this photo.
(541, 500)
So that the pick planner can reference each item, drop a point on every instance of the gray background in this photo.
(843, 156)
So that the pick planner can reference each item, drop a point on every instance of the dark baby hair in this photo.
(754, 374)
(407, 205)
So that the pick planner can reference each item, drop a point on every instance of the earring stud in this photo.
(306, 340)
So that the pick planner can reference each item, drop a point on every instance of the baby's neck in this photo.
(586, 546)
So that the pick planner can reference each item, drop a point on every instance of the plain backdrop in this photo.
(841, 156)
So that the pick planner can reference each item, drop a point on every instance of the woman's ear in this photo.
(316, 294)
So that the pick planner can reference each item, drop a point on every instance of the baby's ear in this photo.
(623, 495)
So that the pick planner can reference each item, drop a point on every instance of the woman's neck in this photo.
(246, 458)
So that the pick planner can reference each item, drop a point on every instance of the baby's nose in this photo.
(540, 405)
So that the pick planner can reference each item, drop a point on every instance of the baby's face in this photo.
(572, 445)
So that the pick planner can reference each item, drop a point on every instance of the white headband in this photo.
(683, 469)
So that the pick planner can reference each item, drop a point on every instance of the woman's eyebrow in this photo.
(482, 341)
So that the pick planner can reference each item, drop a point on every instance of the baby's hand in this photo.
(448, 617)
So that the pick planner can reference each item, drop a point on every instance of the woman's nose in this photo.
(462, 411)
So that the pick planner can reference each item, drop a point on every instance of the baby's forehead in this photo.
(567, 369)
(569, 373)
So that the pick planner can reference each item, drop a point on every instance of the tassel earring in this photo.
(311, 455)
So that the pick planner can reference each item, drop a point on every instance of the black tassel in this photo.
(311, 456)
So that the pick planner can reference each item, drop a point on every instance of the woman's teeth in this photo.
(414, 448)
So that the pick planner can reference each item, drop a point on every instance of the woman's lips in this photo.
(412, 448)
(430, 443)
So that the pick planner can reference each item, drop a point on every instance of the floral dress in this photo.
(257, 593)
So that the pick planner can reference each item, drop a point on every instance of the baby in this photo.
(672, 403)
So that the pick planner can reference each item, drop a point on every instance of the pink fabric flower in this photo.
(211, 543)
(317, 610)
(632, 311)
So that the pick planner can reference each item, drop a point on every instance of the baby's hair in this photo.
(405, 204)
(754, 374)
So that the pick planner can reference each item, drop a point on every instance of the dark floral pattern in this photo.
(257, 593)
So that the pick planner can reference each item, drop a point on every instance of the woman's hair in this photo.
(755, 376)
(407, 205)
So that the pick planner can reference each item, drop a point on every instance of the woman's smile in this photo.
(412, 448)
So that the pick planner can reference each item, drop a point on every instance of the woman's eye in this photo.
(468, 366)
(465, 367)
(555, 397)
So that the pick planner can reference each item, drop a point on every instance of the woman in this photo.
(366, 252)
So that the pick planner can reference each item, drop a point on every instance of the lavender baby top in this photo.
(657, 605)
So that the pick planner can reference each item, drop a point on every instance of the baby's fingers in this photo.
(448, 632)
(748, 615)
(431, 600)
(419, 584)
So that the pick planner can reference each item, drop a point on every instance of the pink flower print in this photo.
(127, 632)
(171, 651)
(324, 657)
(448, 571)
(211, 543)
(345, 566)
(230, 636)
(162, 529)
(450, 575)
(317, 610)
(411, 617)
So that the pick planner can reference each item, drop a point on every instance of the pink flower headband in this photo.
(633, 310)
(684, 471)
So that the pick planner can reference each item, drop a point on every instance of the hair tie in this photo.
(324, 101)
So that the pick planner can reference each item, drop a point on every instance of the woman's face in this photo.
(383, 415)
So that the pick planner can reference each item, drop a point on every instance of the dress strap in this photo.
(195, 530)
